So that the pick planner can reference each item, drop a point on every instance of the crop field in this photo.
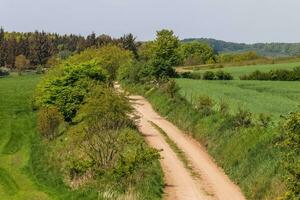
(237, 71)
(17, 125)
(273, 97)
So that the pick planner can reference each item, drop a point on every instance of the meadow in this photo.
(17, 126)
(237, 71)
(272, 97)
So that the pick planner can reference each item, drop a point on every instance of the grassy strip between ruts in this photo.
(181, 155)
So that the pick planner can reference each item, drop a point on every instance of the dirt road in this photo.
(180, 184)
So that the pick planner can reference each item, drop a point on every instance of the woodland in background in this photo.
(41, 48)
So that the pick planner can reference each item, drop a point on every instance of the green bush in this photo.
(208, 75)
(274, 75)
(243, 118)
(171, 88)
(221, 75)
(67, 86)
(264, 120)
(48, 121)
(291, 141)
(204, 105)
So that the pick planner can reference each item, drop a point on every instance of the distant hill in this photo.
(264, 49)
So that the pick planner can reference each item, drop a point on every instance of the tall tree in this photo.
(165, 54)
(128, 42)
(2, 55)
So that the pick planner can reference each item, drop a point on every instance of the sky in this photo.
(247, 21)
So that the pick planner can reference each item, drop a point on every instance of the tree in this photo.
(21, 63)
(2, 56)
(40, 48)
(128, 42)
(196, 53)
(165, 54)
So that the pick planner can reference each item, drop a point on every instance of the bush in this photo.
(3, 72)
(264, 120)
(49, 120)
(243, 118)
(204, 105)
(190, 75)
(67, 86)
(274, 75)
(291, 141)
(221, 75)
(223, 107)
(208, 75)
(171, 88)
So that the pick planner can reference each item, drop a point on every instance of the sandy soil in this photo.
(180, 184)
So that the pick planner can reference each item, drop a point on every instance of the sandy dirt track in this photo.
(212, 182)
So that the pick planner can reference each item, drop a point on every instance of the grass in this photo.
(272, 97)
(181, 155)
(249, 156)
(17, 126)
(237, 71)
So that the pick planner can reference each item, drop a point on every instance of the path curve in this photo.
(181, 185)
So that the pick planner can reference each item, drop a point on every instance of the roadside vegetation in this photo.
(249, 146)
(88, 134)
(82, 143)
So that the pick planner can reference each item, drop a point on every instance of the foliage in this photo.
(110, 58)
(68, 89)
(264, 49)
(21, 63)
(146, 51)
(241, 152)
(264, 120)
(291, 141)
(274, 75)
(221, 75)
(243, 118)
(208, 75)
(48, 121)
(195, 52)
(39, 47)
(204, 105)
(165, 54)
(171, 88)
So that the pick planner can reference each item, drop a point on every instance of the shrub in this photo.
(67, 86)
(190, 75)
(275, 75)
(208, 75)
(3, 72)
(291, 141)
(223, 107)
(204, 105)
(171, 88)
(264, 120)
(243, 118)
(221, 75)
(49, 120)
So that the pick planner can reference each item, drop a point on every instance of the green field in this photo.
(17, 125)
(273, 97)
(237, 71)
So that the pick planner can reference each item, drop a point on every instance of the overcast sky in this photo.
(246, 21)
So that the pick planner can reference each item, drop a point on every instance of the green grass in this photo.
(17, 126)
(181, 155)
(237, 71)
(273, 97)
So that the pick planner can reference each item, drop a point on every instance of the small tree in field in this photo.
(21, 63)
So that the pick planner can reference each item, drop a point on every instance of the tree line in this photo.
(37, 48)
